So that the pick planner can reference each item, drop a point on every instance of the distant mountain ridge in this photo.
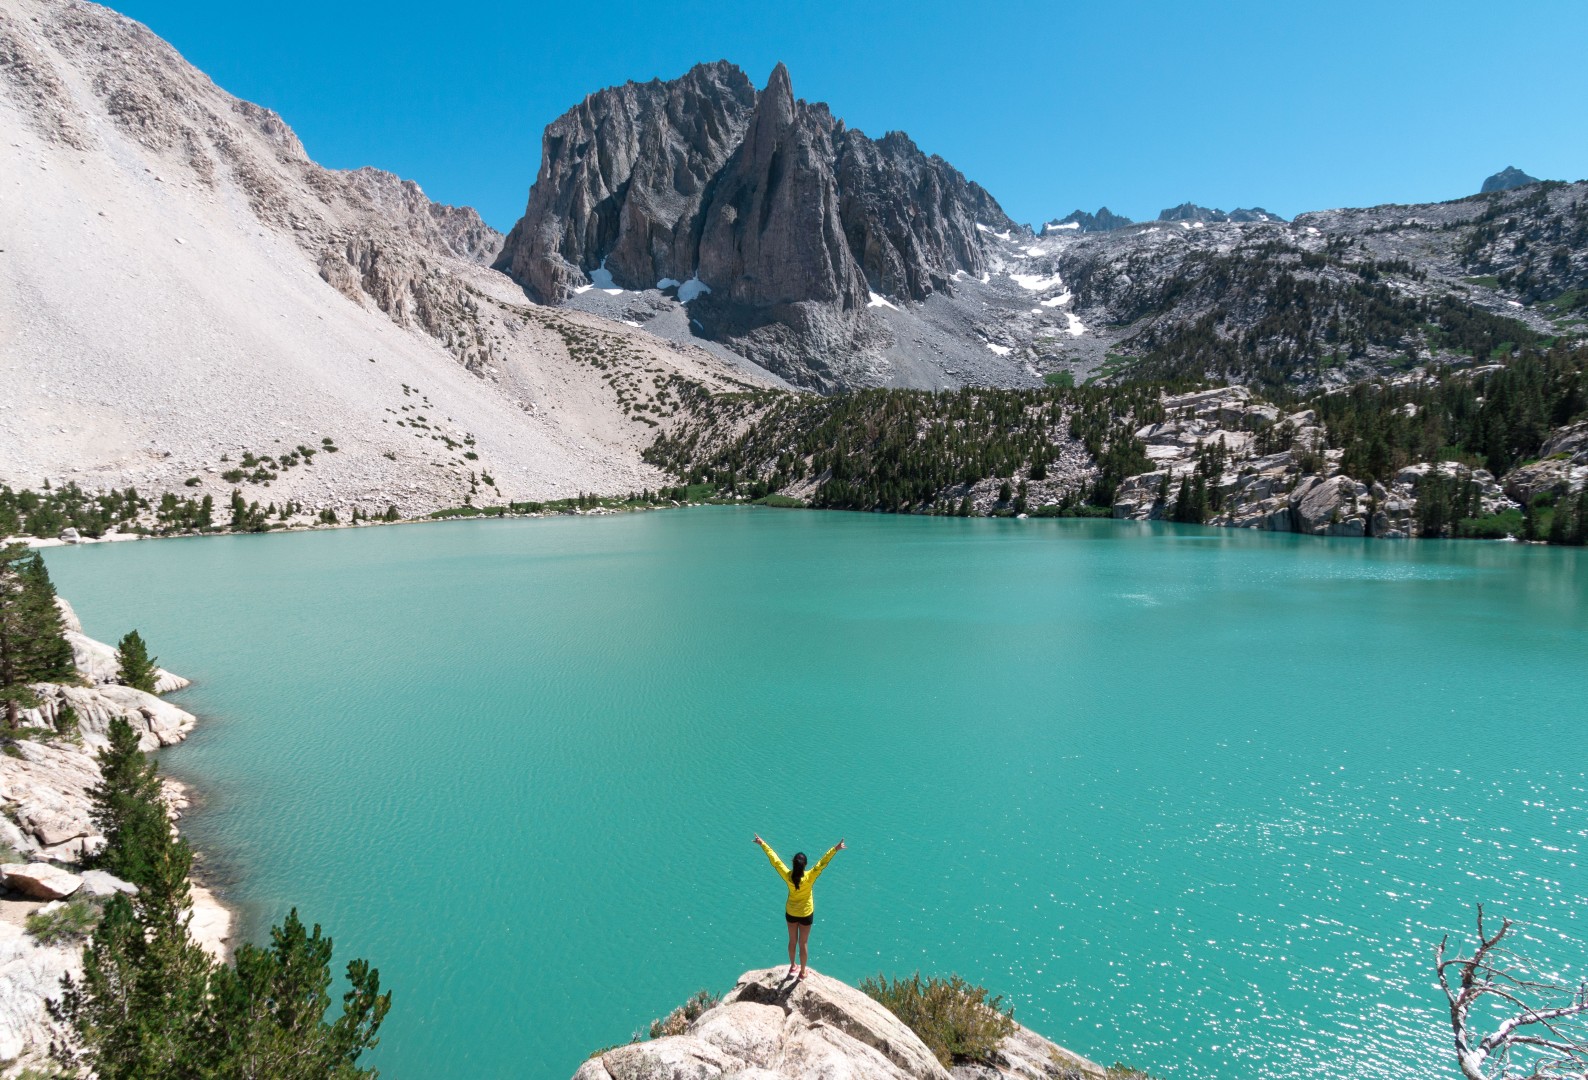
(1104, 220)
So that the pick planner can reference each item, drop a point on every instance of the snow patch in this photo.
(692, 288)
(1063, 298)
(668, 283)
(601, 278)
(628, 322)
(1000, 350)
(1051, 228)
(1036, 282)
(1185, 224)
(1034, 250)
(1198, 225)
(1076, 327)
(873, 300)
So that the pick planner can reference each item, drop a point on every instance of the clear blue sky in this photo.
(1291, 105)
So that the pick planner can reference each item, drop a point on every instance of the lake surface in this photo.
(1199, 800)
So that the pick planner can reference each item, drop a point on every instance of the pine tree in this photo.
(139, 1008)
(52, 653)
(125, 806)
(33, 646)
(1560, 523)
(269, 1010)
(137, 668)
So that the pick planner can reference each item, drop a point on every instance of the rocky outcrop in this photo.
(41, 881)
(1292, 485)
(30, 973)
(772, 1027)
(98, 663)
(1561, 468)
(1507, 179)
(772, 218)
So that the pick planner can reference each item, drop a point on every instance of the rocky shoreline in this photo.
(44, 788)
(1276, 488)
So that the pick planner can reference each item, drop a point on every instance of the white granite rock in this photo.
(99, 883)
(771, 1027)
(40, 880)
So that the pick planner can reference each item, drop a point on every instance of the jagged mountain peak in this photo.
(1191, 212)
(1105, 220)
(769, 201)
(1507, 179)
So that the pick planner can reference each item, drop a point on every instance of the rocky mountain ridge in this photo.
(898, 272)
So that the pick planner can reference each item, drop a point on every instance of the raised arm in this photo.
(821, 864)
(771, 857)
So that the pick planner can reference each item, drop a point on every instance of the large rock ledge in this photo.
(771, 1027)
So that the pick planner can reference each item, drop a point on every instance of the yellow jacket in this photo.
(800, 901)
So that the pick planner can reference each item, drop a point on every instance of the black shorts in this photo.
(803, 920)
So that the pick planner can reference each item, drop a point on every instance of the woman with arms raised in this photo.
(800, 911)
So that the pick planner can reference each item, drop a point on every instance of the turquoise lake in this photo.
(1199, 800)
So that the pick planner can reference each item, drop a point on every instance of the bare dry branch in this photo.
(1493, 975)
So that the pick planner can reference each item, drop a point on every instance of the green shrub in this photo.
(677, 1022)
(72, 921)
(1117, 1071)
(958, 1022)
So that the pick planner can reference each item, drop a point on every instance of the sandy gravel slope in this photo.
(179, 282)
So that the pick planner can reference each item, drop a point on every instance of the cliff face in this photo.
(782, 221)
(624, 177)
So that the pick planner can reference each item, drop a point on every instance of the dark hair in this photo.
(799, 868)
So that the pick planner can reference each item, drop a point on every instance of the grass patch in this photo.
(786, 502)
(1082, 510)
(1065, 379)
(958, 1022)
(677, 1022)
(72, 921)
(1117, 1071)
(473, 511)
(1491, 526)
(1488, 281)
(1113, 364)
